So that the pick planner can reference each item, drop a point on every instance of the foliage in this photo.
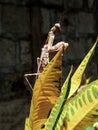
(56, 107)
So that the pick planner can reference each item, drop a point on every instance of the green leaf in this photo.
(77, 76)
(85, 112)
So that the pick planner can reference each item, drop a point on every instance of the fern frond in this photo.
(27, 126)
(57, 109)
(46, 92)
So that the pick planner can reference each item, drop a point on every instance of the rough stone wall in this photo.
(24, 25)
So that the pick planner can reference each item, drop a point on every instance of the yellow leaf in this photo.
(46, 92)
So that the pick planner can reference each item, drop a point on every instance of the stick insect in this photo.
(44, 58)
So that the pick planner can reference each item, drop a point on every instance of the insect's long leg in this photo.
(28, 82)
(28, 75)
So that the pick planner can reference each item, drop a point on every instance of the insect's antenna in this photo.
(62, 17)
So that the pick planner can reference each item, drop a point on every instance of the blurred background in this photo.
(24, 25)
